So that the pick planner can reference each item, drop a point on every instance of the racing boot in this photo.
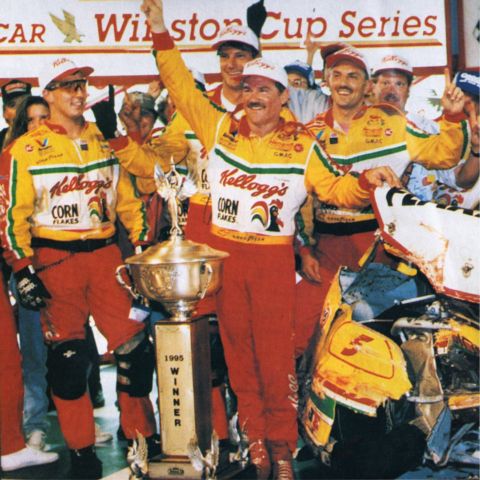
(282, 461)
(260, 458)
(85, 464)
(154, 445)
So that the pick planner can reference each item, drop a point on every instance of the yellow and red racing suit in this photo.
(378, 135)
(257, 187)
(61, 198)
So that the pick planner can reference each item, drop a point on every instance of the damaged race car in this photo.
(393, 380)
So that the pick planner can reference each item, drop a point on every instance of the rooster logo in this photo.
(67, 27)
(98, 207)
(267, 214)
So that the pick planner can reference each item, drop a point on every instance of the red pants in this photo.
(197, 229)
(11, 380)
(333, 251)
(83, 284)
(309, 300)
(342, 250)
(255, 310)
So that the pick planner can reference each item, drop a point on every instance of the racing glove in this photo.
(31, 290)
(256, 16)
(105, 116)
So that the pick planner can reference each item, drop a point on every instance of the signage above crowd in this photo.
(112, 36)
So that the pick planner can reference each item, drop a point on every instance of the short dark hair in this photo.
(239, 46)
(408, 76)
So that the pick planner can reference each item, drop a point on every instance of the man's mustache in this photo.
(391, 97)
(255, 105)
(342, 87)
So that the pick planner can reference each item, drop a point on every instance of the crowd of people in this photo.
(282, 167)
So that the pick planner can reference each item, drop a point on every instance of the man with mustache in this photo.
(392, 79)
(357, 137)
(258, 159)
(235, 46)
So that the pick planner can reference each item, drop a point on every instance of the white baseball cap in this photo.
(237, 33)
(262, 67)
(394, 62)
(59, 69)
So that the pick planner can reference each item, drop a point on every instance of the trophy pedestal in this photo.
(184, 386)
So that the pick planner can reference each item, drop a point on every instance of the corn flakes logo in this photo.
(372, 132)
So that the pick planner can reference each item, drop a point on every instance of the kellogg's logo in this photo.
(396, 59)
(259, 63)
(78, 183)
(231, 30)
(247, 182)
(60, 61)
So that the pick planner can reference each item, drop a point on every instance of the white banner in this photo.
(112, 36)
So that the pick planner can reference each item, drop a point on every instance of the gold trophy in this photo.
(178, 273)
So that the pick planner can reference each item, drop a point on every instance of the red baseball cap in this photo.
(348, 54)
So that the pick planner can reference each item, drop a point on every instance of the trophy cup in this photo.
(178, 273)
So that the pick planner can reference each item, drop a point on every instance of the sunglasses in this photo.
(69, 85)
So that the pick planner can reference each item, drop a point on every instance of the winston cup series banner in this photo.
(112, 35)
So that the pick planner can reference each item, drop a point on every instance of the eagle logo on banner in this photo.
(67, 27)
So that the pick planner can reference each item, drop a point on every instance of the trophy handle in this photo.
(127, 286)
(207, 272)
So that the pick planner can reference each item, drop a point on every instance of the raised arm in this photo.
(202, 115)
(447, 148)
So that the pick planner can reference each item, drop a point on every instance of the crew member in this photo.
(392, 81)
(358, 137)
(64, 191)
(260, 169)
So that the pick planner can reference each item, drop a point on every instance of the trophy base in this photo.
(162, 467)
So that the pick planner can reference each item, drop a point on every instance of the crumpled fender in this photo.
(354, 366)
